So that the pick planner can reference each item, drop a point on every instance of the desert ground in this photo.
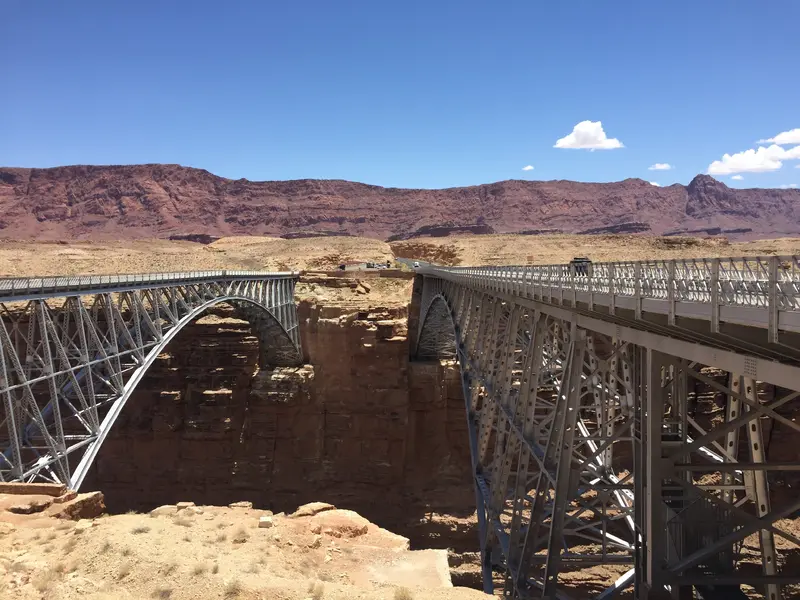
(557, 249)
(23, 259)
(186, 552)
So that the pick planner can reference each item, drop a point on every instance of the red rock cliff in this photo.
(112, 202)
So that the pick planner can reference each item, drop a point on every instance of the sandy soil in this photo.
(21, 259)
(554, 249)
(217, 552)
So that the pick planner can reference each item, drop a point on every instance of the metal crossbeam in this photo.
(588, 441)
(73, 349)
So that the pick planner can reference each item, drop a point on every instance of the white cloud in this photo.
(588, 135)
(760, 160)
(737, 177)
(788, 186)
(784, 138)
(660, 167)
(527, 168)
(655, 184)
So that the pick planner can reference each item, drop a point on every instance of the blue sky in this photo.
(412, 93)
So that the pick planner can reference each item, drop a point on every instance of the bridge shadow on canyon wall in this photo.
(358, 426)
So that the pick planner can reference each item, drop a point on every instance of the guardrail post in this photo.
(772, 300)
(715, 295)
(572, 284)
(612, 301)
(671, 291)
(637, 275)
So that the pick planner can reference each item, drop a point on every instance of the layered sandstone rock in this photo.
(359, 425)
(141, 201)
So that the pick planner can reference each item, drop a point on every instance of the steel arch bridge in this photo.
(587, 446)
(73, 349)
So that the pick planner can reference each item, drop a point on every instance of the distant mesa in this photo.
(175, 202)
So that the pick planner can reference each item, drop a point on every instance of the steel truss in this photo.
(72, 350)
(588, 448)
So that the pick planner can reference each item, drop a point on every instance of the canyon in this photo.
(163, 201)
(360, 425)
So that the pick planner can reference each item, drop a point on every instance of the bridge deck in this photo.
(27, 288)
(761, 292)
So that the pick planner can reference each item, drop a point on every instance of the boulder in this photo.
(340, 523)
(83, 506)
(311, 509)
(33, 489)
(182, 505)
(241, 504)
(164, 510)
(265, 523)
(69, 495)
(31, 505)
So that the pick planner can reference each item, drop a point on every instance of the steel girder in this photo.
(588, 447)
(70, 358)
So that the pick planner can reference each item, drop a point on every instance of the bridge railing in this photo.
(23, 286)
(745, 281)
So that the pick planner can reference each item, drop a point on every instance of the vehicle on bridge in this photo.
(580, 265)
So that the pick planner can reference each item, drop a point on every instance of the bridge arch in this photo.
(275, 342)
(439, 337)
(437, 332)
(514, 361)
(72, 353)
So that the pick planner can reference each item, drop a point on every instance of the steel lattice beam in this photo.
(586, 442)
(73, 349)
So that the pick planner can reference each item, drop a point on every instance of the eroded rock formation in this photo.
(358, 426)
(142, 201)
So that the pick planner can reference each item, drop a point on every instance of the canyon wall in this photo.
(358, 426)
